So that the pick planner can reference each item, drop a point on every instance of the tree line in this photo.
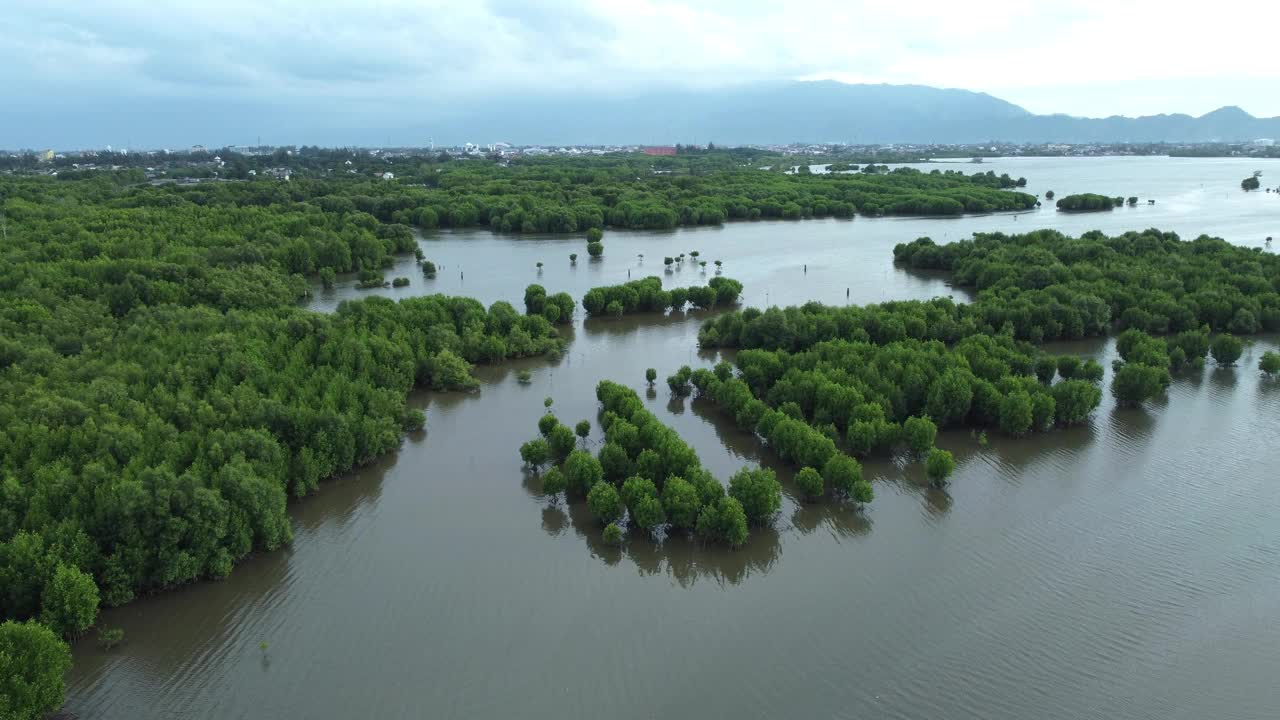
(647, 295)
(564, 196)
(626, 192)
(864, 397)
(879, 378)
(1048, 286)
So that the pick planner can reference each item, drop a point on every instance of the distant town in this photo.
(281, 162)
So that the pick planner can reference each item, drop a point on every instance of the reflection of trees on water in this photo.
(908, 474)
(957, 292)
(554, 520)
(1011, 456)
(1184, 379)
(675, 405)
(937, 501)
(1136, 424)
(1269, 387)
(845, 519)
(531, 481)
(686, 559)
(610, 326)
(496, 373)
(1225, 380)
(342, 498)
(743, 444)
(162, 629)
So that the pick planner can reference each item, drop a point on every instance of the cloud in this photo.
(397, 55)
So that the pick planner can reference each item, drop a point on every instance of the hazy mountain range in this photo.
(816, 112)
(754, 114)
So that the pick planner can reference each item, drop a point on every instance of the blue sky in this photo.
(145, 73)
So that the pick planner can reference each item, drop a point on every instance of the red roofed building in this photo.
(660, 150)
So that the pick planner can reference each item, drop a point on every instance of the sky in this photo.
(85, 74)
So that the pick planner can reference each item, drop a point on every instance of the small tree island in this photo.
(1088, 202)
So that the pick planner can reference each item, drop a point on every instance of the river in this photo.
(1126, 568)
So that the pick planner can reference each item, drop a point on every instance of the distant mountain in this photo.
(823, 111)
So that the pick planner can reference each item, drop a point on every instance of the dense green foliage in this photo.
(939, 465)
(70, 601)
(1049, 286)
(535, 453)
(1250, 183)
(809, 482)
(651, 457)
(876, 396)
(605, 503)
(162, 393)
(665, 484)
(919, 433)
(554, 482)
(612, 535)
(561, 195)
(843, 474)
(1226, 350)
(1146, 362)
(581, 472)
(33, 662)
(759, 492)
(723, 520)
(1135, 382)
(681, 503)
(857, 374)
(565, 195)
(647, 295)
(557, 309)
(1087, 202)
(1270, 363)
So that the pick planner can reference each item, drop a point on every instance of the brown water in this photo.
(1127, 568)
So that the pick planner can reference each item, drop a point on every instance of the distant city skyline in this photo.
(126, 71)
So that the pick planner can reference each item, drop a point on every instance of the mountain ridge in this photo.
(822, 111)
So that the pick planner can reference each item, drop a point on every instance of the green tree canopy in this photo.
(33, 662)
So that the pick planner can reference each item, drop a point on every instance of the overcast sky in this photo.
(140, 67)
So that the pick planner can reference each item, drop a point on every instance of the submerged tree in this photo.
(939, 465)
(809, 482)
(1226, 350)
(841, 473)
(723, 521)
(582, 472)
(1270, 363)
(612, 535)
(759, 492)
(919, 432)
(604, 502)
(681, 502)
(553, 482)
(535, 453)
(1134, 383)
